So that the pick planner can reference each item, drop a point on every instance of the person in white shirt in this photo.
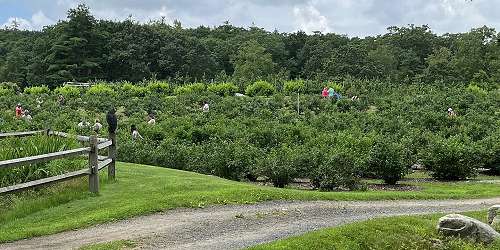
(135, 134)
(83, 124)
(151, 119)
(205, 107)
(97, 126)
(26, 116)
(451, 112)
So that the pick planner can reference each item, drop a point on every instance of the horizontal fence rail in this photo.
(104, 145)
(104, 163)
(77, 137)
(95, 164)
(44, 181)
(102, 157)
(20, 134)
(43, 158)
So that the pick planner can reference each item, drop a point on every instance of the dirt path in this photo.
(238, 226)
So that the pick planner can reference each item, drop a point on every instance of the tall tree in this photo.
(73, 56)
(252, 63)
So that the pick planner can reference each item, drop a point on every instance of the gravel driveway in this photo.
(239, 226)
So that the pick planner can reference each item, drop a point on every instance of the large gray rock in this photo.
(492, 215)
(466, 227)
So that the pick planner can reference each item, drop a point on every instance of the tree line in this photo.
(83, 48)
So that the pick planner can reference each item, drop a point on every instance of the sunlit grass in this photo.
(406, 232)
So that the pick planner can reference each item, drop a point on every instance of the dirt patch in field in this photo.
(419, 180)
(305, 184)
(399, 187)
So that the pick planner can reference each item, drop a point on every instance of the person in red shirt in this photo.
(19, 110)
(324, 93)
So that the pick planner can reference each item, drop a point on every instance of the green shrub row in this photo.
(332, 143)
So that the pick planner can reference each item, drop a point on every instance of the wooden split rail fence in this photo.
(96, 162)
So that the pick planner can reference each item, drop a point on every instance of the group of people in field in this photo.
(134, 132)
(84, 124)
(22, 113)
(151, 120)
(329, 92)
(25, 114)
(97, 126)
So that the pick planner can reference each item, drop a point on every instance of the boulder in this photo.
(492, 215)
(467, 228)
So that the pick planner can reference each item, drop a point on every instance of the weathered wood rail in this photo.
(21, 134)
(96, 162)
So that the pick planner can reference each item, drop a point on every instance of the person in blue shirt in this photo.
(331, 92)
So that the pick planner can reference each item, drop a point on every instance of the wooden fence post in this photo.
(93, 166)
(112, 156)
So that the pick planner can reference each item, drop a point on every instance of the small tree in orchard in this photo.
(452, 158)
(294, 86)
(388, 161)
(260, 88)
(279, 166)
(252, 63)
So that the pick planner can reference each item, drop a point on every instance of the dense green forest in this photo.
(83, 48)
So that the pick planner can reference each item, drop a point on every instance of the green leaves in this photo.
(37, 90)
(451, 158)
(387, 161)
(279, 165)
(260, 88)
(223, 89)
(189, 89)
(12, 148)
(100, 90)
(296, 86)
(252, 63)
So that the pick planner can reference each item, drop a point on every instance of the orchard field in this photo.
(333, 143)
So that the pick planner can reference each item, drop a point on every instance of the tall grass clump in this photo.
(12, 148)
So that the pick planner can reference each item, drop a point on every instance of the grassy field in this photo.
(406, 232)
(143, 189)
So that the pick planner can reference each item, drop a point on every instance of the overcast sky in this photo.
(351, 17)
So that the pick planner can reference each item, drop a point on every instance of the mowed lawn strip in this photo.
(143, 189)
(405, 232)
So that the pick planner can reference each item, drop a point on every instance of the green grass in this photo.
(143, 189)
(406, 232)
(112, 245)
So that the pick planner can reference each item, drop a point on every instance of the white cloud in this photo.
(137, 14)
(310, 19)
(350, 17)
(37, 22)
(67, 3)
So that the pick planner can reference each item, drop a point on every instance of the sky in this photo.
(350, 17)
